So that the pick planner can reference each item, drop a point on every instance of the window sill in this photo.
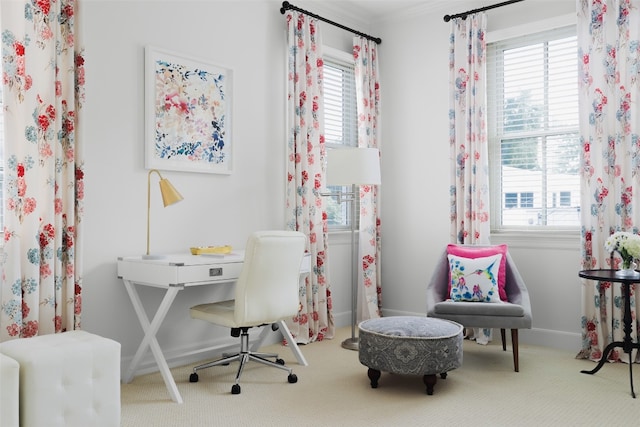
(340, 237)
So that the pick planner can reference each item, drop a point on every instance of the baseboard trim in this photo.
(559, 340)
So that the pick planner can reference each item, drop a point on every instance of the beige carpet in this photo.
(334, 390)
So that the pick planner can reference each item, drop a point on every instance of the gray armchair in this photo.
(514, 315)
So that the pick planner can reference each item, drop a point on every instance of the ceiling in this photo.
(380, 10)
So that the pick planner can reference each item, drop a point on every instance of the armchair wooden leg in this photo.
(504, 339)
(514, 343)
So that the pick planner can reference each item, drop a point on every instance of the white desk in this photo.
(175, 273)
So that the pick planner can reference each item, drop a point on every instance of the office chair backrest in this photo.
(267, 289)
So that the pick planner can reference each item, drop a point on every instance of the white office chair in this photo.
(266, 292)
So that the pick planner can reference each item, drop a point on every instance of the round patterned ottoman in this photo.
(410, 345)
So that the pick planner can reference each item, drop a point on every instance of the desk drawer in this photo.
(161, 274)
(198, 274)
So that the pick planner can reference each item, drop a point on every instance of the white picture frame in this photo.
(188, 113)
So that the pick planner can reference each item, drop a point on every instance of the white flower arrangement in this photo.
(626, 244)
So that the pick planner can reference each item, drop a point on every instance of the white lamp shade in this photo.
(347, 166)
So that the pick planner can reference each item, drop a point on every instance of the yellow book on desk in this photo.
(212, 250)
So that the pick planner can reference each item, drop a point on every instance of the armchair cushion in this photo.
(474, 279)
(471, 251)
(478, 309)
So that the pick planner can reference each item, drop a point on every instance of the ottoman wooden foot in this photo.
(374, 376)
(430, 381)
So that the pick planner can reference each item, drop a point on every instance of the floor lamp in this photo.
(169, 196)
(355, 167)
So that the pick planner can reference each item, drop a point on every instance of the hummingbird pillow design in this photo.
(473, 251)
(475, 279)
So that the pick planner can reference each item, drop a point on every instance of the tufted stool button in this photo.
(410, 345)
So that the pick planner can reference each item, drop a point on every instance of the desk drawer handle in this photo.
(213, 272)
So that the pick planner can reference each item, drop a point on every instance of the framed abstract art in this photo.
(188, 114)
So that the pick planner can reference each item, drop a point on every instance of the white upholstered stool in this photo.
(9, 380)
(71, 379)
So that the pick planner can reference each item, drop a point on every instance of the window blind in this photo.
(340, 125)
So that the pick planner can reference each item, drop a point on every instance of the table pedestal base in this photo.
(627, 343)
(605, 357)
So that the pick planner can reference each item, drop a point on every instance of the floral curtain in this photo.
(468, 131)
(468, 137)
(43, 90)
(305, 163)
(609, 78)
(365, 54)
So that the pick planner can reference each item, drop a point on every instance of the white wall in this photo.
(249, 37)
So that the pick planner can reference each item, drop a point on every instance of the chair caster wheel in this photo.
(235, 389)
(292, 378)
(280, 361)
(193, 378)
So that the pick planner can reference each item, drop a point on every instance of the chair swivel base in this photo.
(243, 357)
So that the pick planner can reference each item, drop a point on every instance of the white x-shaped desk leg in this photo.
(150, 330)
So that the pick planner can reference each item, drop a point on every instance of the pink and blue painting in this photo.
(188, 109)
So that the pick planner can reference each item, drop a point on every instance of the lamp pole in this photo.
(352, 343)
(149, 205)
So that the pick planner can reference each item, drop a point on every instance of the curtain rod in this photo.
(463, 15)
(288, 6)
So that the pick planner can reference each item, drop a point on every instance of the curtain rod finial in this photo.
(447, 18)
(285, 7)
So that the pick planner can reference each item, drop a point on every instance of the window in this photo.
(340, 125)
(511, 200)
(526, 200)
(534, 148)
